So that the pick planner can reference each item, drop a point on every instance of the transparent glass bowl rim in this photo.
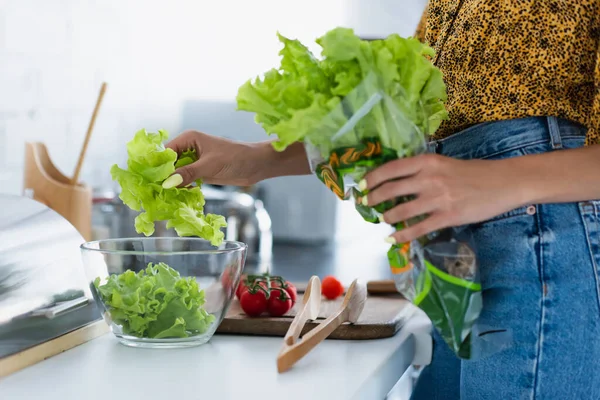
(232, 246)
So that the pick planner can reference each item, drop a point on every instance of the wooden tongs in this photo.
(293, 349)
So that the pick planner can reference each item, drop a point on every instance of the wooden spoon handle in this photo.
(88, 135)
(309, 341)
(296, 326)
(382, 287)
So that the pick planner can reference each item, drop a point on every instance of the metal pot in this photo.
(247, 221)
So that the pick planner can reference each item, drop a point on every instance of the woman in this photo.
(518, 166)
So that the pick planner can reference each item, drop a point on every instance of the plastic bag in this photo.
(438, 272)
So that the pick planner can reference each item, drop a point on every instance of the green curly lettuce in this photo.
(307, 99)
(146, 186)
(155, 303)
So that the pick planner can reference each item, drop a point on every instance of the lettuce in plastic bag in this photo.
(381, 101)
(155, 303)
(149, 165)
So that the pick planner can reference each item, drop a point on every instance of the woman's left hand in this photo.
(450, 192)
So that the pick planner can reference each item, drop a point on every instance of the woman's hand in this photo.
(226, 162)
(450, 192)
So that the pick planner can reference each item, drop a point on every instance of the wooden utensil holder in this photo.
(52, 188)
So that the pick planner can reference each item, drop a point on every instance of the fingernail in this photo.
(172, 181)
(381, 218)
(365, 201)
(390, 240)
(362, 185)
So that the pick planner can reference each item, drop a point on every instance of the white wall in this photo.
(379, 18)
(54, 54)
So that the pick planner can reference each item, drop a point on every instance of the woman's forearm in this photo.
(557, 177)
(291, 161)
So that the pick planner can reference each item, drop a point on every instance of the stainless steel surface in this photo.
(247, 219)
(57, 309)
(43, 291)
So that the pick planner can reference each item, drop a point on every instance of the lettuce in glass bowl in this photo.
(163, 292)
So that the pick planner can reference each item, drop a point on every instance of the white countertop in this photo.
(228, 367)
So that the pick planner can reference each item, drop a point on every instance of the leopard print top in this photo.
(516, 58)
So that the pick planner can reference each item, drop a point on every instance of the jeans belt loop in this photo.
(554, 131)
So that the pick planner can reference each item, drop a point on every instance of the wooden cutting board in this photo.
(382, 317)
(41, 352)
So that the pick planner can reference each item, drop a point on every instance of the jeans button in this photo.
(531, 210)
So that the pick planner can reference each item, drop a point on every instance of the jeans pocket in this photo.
(519, 212)
(590, 214)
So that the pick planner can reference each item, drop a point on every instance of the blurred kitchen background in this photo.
(177, 65)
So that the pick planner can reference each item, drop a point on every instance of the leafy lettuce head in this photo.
(149, 165)
(312, 100)
(155, 303)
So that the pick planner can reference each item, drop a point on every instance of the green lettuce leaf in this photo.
(148, 156)
(133, 190)
(186, 158)
(298, 62)
(155, 303)
(149, 164)
(188, 222)
(322, 101)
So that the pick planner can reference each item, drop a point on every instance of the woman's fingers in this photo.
(188, 173)
(396, 169)
(185, 141)
(414, 208)
(434, 222)
(391, 190)
(208, 168)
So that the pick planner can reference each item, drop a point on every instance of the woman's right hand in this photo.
(226, 162)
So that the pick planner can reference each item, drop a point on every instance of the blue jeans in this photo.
(539, 271)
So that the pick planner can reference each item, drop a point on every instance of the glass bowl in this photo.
(163, 292)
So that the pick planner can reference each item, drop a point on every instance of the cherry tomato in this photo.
(245, 287)
(331, 288)
(227, 279)
(241, 287)
(279, 302)
(290, 289)
(254, 304)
